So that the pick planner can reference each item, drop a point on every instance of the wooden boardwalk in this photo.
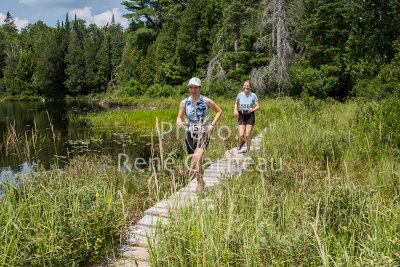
(134, 251)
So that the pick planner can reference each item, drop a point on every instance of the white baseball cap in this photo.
(194, 81)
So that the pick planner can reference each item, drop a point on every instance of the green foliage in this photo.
(75, 72)
(218, 88)
(385, 84)
(333, 202)
(152, 12)
(2, 52)
(48, 77)
(8, 24)
(131, 88)
(345, 48)
(320, 83)
(70, 218)
(157, 90)
(165, 60)
(129, 67)
(391, 120)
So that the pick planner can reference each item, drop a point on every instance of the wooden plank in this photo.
(136, 240)
(134, 253)
(157, 211)
(214, 177)
(141, 230)
(217, 167)
(187, 192)
(183, 198)
(162, 204)
(131, 263)
(151, 221)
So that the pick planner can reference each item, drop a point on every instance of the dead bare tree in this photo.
(215, 71)
(276, 19)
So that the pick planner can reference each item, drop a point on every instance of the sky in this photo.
(49, 11)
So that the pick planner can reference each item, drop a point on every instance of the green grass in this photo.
(74, 217)
(10, 98)
(138, 120)
(335, 203)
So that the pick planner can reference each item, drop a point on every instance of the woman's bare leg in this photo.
(196, 168)
(249, 128)
(242, 133)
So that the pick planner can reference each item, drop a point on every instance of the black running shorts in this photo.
(246, 118)
(196, 140)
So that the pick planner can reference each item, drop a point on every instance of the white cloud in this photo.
(100, 19)
(20, 23)
(2, 18)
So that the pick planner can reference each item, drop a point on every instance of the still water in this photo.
(52, 133)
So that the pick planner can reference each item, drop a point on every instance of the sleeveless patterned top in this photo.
(198, 115)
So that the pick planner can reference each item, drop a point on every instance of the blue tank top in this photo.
(197, 115)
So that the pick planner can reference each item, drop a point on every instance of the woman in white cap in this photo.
(245, 105)
(198, 126)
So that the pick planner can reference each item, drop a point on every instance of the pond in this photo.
(53, 132)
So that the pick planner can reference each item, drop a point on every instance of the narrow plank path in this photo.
(134, 250)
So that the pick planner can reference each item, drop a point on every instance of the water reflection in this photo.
(8, 175)
(49, 133)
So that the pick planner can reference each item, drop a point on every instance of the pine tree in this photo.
(130, 62)
(149, 11)
(2, 52)
(48, 77)
(67, 25)
(75, 71)
(165, 59)
(9, 24)
(116, 47)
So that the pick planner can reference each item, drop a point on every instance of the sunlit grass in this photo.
(334, 203)
(73, 217)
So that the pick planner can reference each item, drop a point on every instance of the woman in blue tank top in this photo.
(198, 126)
(245, 105)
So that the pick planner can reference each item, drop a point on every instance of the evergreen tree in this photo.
(103, 60)
(150, 11)
(91, 45)
(48, 77)
(165, 59)
(9, 24)
(2, 52)
(130, 62)
(324, 31)
(116, 46)
(193, 38)
(67, 25)
(75, 71)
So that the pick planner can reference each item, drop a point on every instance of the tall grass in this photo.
(334, 203)
(74, 217)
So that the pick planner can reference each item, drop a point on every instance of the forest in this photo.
(319, 48)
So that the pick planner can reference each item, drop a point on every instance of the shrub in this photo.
(391, 121)
(158, 90)
(319, 83)
(131, 88)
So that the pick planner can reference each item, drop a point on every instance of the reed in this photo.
(74, 217)
(335, 202)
